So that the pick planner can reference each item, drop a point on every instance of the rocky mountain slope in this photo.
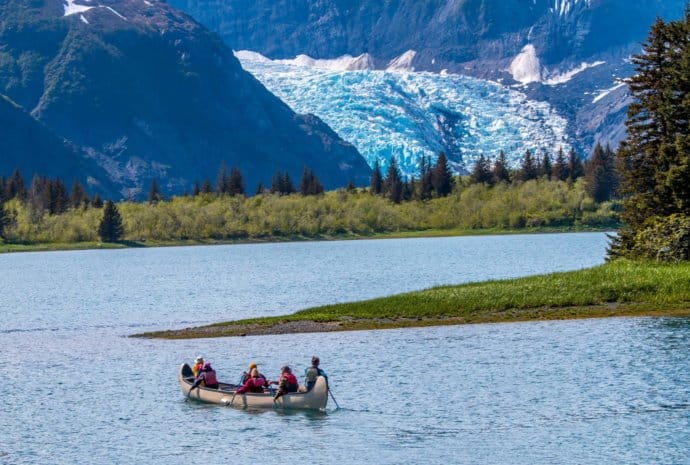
(148, 93)
(569, 53)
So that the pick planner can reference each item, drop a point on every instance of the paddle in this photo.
(196, 384)
(332, 397)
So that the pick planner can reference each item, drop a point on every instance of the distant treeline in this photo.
(538, 194)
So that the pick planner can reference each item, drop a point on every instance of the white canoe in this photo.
(225, 395)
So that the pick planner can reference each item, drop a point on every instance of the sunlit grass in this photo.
(621, 288)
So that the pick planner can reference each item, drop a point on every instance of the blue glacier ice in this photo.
(410, 114)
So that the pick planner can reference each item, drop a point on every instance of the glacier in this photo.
(386, 113)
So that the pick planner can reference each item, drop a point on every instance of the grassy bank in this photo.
(615, 289)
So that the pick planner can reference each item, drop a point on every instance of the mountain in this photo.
(570, 54)
(148, 93)
(31, 147)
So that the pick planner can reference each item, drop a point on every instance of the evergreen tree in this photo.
(654, 160)
(441, 176)
(528, 168)
(235, 182)
(259, 189)
(392, 185)
(600, 175)
(96, 201)
(309, 184)
(3, 189)
(426, 187)
(4, 220)
(560, 171)
(481, 172)
(222, 181)
(500, 170)
(545, 166)
(59, 199)
(15, 186)
(376, 185)
(206, 187)
(351, 186)
(196, 189)
(78, 195)
(110, 228)
(154, 193)
(575, 167)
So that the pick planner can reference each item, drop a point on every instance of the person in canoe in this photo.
(206, 378)
(286, 383)
(254, 383)
(313, 372)
(198, 365)
(246, 374)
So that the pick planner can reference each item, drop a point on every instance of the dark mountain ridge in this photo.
(150, 94)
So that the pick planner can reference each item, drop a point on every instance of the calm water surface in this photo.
(77, 390)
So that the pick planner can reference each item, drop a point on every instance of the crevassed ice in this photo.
(408, 115)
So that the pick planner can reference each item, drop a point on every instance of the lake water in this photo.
(77, 390)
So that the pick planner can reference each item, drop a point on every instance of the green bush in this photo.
(664, 239)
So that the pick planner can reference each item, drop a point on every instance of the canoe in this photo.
(225, 394)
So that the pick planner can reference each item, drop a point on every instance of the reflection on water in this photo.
(78, 391)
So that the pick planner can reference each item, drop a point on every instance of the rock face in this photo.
(31, 147)
(148, 93)
(566, 52)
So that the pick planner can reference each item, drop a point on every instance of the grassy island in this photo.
(621, 288)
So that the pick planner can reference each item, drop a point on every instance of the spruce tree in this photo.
(15, 186)
(309, 183)
(196, 189)
(528, 167)
(500, 170)
(545, 167)
(426, 187)
(96, 201)
(78, 195)
(559, 171)
(600, 174)
(376, 184)
(206, 187)
(481, 172)
(222, 181)
(154, 193)
(441, 176)
(575, 167)
(110, 228)
(392, 184)
(654, 160)
(235, 182)
(259, 189)
(59, 199)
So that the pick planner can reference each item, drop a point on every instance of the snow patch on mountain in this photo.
(526, 67)
(563, 7)
(414, 114)
(568, 75)
(606, 92)
(71, 7)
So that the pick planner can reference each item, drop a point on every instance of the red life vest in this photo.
(290, 382)
(210, 378)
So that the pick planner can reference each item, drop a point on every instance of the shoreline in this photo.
(312, 326)
(616, 289)
(426, 233)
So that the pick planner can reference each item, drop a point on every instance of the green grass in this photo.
(621, 288)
